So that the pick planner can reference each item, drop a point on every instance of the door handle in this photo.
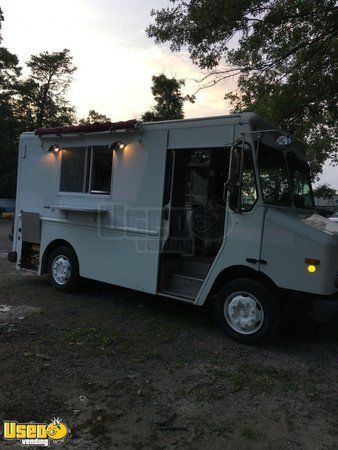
(256, 261)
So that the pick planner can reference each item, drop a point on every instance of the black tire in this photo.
(71, 280)
(243, 301)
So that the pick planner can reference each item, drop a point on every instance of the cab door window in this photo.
(244, 189)
(249, 189)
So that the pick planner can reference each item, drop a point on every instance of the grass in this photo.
(257, 378)
(105, 342)
(250, 434)
(140, 346)
(260, 379)
(312, 390)
(161, 331)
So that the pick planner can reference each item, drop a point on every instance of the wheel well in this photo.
(235, 272)
(50, 247)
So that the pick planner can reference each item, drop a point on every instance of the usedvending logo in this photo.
(36, 434)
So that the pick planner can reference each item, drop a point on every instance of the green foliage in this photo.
(25, 104)
(94, 117)
(284, 54)
(9, 126)
(169, 99)
(43, 92)
(324, 191)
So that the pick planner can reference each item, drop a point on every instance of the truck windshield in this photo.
(286, 180)
(300, 182)
(274, 176)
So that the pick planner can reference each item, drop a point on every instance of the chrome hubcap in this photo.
(61, 269)
(243, 312)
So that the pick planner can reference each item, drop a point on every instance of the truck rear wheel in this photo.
(63, 269)
(248, 311)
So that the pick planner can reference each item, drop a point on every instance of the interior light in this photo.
(54, 148)
(311, 268)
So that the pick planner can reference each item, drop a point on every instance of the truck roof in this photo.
(134, 125)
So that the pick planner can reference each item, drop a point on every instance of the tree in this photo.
(324, 191)
(9, 124)
(94, 117)
(43, 92)
(169, 99)
(284, 54)
(36, 101)
(39, 100)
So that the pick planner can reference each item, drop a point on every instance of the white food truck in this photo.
(214, 208)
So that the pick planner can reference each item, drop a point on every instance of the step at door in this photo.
(183, 286)
(198, 269)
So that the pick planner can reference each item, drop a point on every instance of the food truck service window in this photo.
(86, 170)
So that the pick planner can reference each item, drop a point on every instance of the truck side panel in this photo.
(121, 245)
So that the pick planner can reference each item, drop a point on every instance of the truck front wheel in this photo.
(248, 311)
(63, 269)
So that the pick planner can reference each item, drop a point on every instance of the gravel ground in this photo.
(126, 370)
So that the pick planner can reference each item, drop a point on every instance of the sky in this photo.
(114, 56)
